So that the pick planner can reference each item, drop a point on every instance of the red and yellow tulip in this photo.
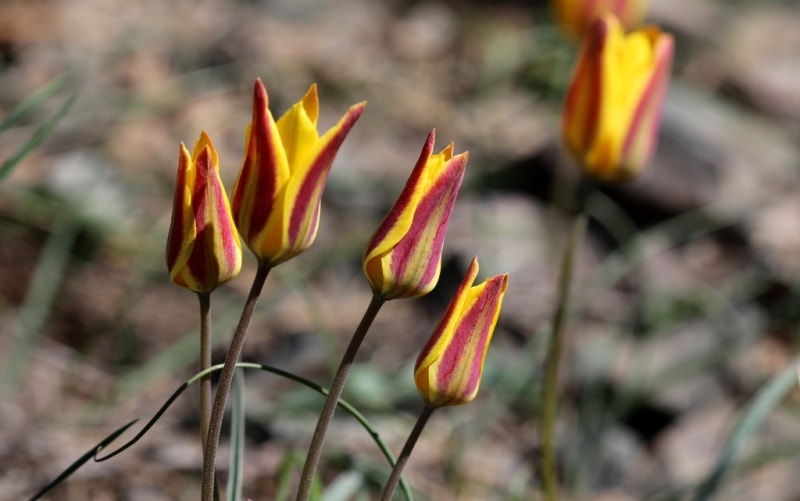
(575, 17)
(613, 106)
(277, 196)
(449, 368)
(203, 247)
(404, 256)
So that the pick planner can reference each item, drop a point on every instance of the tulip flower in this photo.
(614, 102)
(404, 256)
(449, 368)
(203, 247)
(277, 196)
(576, 17)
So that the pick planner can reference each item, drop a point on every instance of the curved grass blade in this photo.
(82, 460)
(350, 409)
(92, 454)
(764, 402)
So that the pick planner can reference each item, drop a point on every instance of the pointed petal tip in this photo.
(427, 148)
(260, 96)
(665, 46)
(447, 152)
(504, 284)
(205, 139)
(354, 112)
(472, 270)
(357, 108)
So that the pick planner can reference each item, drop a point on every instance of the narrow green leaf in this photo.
(33, 101)
(35, 140)
(236, 469)
(764, 402)
(344, 487)
(290, 463)
(39, 299)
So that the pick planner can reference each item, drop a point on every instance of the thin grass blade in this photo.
(236, 469)
(36, 139)
(765, 401)
(33, 101)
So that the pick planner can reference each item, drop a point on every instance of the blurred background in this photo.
(686, 290)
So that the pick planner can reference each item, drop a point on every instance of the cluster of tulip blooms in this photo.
(275, 210)
(611, 117)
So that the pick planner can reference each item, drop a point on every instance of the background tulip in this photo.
(575, 17)
(614, 101)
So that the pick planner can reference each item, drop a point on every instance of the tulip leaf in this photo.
(236, 468)
(35, 140)
(765, 401)
(33, 101)
(345, 487)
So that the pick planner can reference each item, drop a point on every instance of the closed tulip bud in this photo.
(449, 368)
(404, 256)
(203, 247)
(614, 102)
(576, 17)
(277, 196)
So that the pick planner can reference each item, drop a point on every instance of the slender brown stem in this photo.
(402, 459)
(556, 344)
(225, 379)
(335, 391)
(205, 363)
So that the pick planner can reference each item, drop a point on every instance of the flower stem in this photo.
(225, 379)
(556, 344)
(335, 391)
(205, 363)
(397, 471)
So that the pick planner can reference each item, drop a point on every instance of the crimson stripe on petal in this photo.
(434, 207)
(317, 175)
(404, 200)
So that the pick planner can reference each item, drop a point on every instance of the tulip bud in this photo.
(404, 256)
(576, 17)
(277, 196)
(203, 247)
(449, 368)
(614, 102)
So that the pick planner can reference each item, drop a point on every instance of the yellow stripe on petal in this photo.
(298, 132)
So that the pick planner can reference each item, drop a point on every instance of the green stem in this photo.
(335, 391)
(225, 379)
(402, 459)
(556, 344)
